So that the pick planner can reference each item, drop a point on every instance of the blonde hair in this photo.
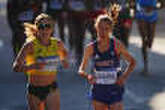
(31, 29)
(43, 17)
(113, 11)
(103, 17)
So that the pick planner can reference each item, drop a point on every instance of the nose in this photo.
(45, 29)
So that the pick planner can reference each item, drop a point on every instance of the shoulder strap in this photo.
(115, 46)
(95, 48)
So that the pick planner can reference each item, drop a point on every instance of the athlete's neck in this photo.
(103, 44)
(45, 42)
(103, 40)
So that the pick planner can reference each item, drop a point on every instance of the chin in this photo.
(103, 37)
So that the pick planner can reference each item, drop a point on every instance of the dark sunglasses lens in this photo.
(40, 26)
(43, 26)
(48, 25)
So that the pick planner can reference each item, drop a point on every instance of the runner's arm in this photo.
(128, 57)
(87, 55)
(19, 64)
(63, 54)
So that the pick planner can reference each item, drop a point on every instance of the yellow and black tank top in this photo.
(48, 54)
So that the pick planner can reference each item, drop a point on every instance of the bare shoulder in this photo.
(59, 42)
(27, 47)
(118, 42)
(119, 45)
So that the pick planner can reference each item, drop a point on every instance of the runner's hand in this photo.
(121, 81)
(91, 79)
(37, 66)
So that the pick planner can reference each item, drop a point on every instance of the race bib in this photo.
(106, 77)
(52, 63)
(26, 16)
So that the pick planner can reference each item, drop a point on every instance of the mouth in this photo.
(102, 36)
(44, 34)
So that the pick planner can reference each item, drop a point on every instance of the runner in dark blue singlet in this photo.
(107, 80)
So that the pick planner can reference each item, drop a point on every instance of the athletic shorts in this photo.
(107, 94)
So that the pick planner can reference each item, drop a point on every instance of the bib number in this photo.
(52, 63)
(106, 77)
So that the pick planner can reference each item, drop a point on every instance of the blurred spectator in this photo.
(57, 9)
(18, 12)
(95, 8)
(76, 24)
(123, 25)
(147, 16)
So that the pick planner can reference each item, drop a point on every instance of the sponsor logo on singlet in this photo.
(106, 77)
(52, 62)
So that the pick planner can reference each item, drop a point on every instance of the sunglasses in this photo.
(43, 26)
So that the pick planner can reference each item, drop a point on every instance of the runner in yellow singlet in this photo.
(39, 58)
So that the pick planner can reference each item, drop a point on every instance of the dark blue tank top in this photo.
(108, 59)
(106, 64)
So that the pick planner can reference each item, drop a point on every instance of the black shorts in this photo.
(42, 91)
